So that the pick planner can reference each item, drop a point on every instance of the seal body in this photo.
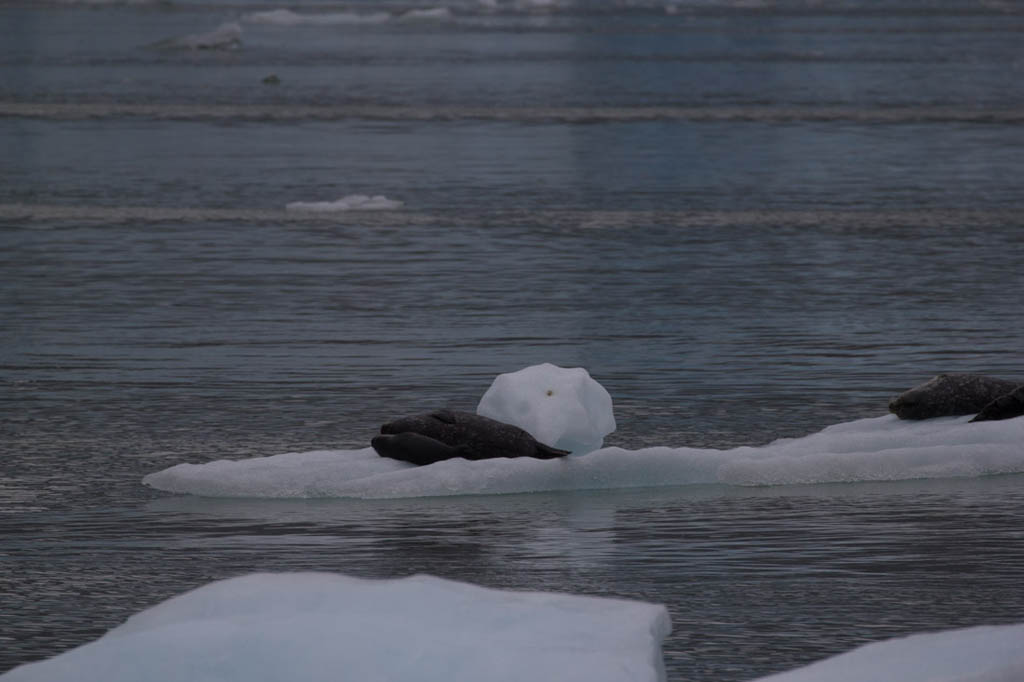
(1004, 407)
(948, 395)
(446, 434)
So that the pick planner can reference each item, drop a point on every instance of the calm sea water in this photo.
(747, 222)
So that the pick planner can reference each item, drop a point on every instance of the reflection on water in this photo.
(756, 580)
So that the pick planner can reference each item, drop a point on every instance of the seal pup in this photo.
(446, 434)
(949, 395)
(1004, 407)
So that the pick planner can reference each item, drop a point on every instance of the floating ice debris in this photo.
(286, 17)
(431, 14)
(979, 654)
(352, 202)
(878, 449)
(564, 408)
(324, 627)
(227, 36)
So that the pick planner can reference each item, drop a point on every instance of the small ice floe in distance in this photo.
(227, 36)
(322, 627)
(429, 14)
(352, 202)
(978, 654)
(286, 17)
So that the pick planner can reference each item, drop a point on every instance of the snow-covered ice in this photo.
(978, 654)
(320, 626)
(352, 202)
(877, 449)
(561, 407)
(286, 17)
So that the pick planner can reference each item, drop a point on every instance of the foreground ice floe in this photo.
(319, 626)
(352, 202)
(979, 654)
(877, 449)
(564, 408)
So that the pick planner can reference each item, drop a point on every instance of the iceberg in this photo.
(286, 17)
(978, 654)
(352, 202)
(564, 408)
(321, 626)
(875, 449)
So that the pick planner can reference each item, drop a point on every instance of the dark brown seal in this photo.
(949, 395)
(446, 434)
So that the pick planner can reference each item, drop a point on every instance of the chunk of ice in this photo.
(979, 654)
(286, 17)
(352, 202)
(326, 627)
(428, 14)
(227, 36)
(564, 408)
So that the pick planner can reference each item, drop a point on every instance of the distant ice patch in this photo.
(429, 14)
(286, 17)
(227, 36)
(352, 202)
(878, 449)
(325, 627)
(564, 408)
(979, 654)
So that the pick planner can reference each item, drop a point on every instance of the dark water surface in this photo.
(747, 223)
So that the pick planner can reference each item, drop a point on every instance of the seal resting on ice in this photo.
(1004, 407)
(446, 434)
(949, 395)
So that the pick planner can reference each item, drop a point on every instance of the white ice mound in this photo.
(878, 449)
(352, 202)
(286, 17)
(325, 627)
(979, 654)
(564, 408)
(227, 36)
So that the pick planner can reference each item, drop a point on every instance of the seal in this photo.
(1004, 407)
(446, 434)
(949, 395)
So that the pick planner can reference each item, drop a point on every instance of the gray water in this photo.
(747, 223)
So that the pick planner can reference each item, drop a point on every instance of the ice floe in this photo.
(978, 654)
(227, 36)
(352, 202)
(427, 14)
(286, 17)
(877, 449)
(320, 626)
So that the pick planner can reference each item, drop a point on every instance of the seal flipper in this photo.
(415, 448)
(548, 452)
